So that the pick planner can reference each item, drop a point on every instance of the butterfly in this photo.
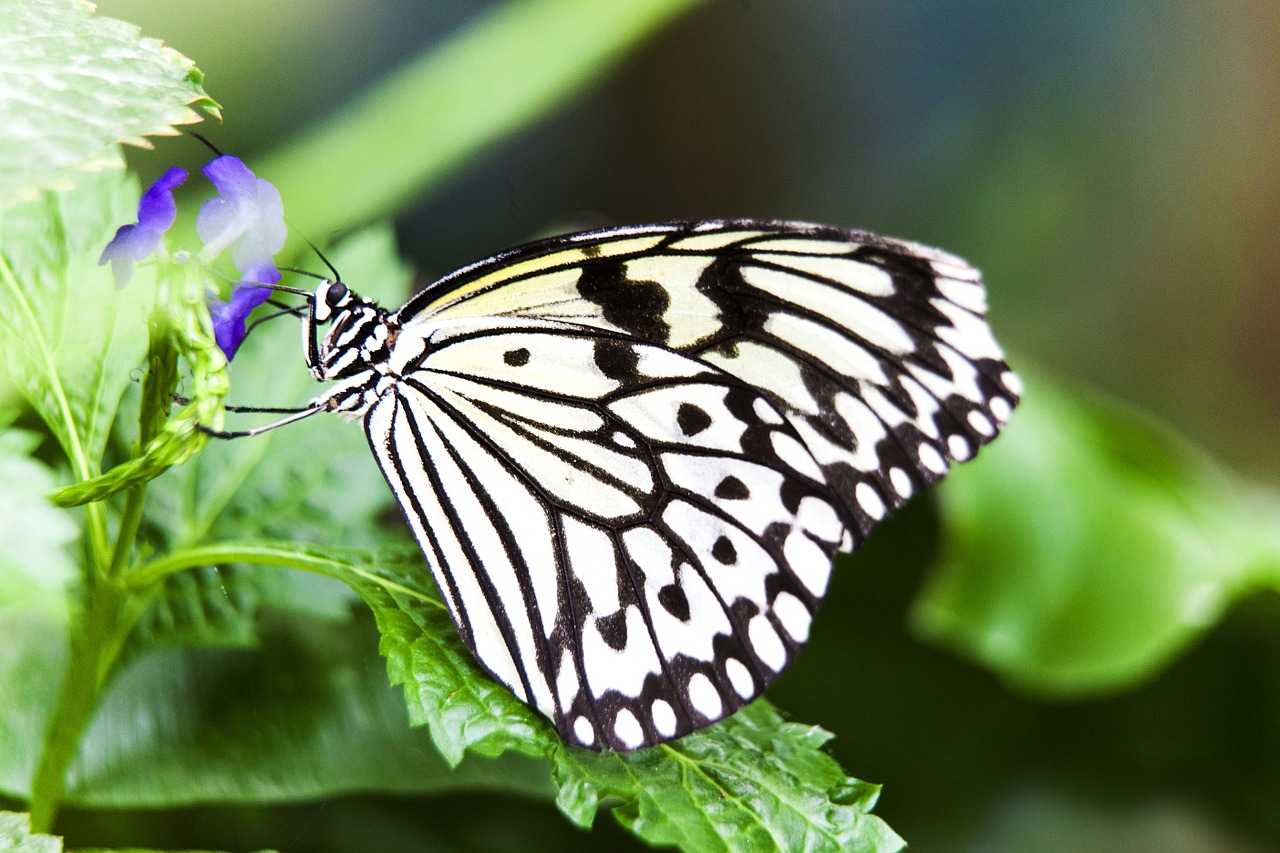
(630, 455)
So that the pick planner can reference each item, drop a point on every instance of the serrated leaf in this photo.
(750, 783)
(445, 690)
(16, 837)
(68, 338)
(75, 86)
(1090, 544)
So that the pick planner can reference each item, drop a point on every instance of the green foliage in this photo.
(206, 641)
(1116, 543)
(16, 837)
(178, 331)
(750, 783)
(51, 49)
(452, 102)
(68, 338)
(173, 670)
(34, 562)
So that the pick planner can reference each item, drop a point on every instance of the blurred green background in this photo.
(1113, 170)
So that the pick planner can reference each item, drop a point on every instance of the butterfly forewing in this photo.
(629, 455)
(633, 541)
(876, 350)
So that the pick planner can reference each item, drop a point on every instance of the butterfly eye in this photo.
(336, 294)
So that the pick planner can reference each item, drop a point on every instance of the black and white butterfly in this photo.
(630, 455)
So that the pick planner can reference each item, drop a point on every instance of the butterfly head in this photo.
(332, 297)
(359, 336)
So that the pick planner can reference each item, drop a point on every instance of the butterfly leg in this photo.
(179, 400)
(297, 415)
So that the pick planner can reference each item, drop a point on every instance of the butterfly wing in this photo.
(630, 539)
(876, 351)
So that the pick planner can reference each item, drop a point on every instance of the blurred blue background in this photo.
(1113, 170)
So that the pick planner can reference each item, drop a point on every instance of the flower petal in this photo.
(247, 216)
(229, 317)
(156, 213)
(157, 209)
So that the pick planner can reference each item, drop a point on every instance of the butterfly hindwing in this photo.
(632, 540)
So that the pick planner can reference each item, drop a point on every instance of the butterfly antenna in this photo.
(307, 273)
(207, 143)
(320, 254)
(336, 276)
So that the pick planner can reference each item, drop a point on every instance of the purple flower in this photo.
(229, 317)
(247, 215)
(156, 212)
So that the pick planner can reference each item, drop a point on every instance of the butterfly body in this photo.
(629, 456)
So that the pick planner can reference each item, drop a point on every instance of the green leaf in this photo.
(35, 567)
(68, 338)
(306, 714)
(75, 86)
(35, 573)
(452, 102)
(222, 605)
(1089, 545)
(33, 657)
(751, 782)
(463, 708)
(16, 837)
(142, 850)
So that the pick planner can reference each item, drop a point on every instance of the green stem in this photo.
(263, 553)
(129, 522)
(109, 616)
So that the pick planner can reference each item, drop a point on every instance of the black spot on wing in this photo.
(613, 630)
(724, 551)
(732, 489)
(636, 307)
(616, 359)
(516, 357)
(674, 601)
(692, 419)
